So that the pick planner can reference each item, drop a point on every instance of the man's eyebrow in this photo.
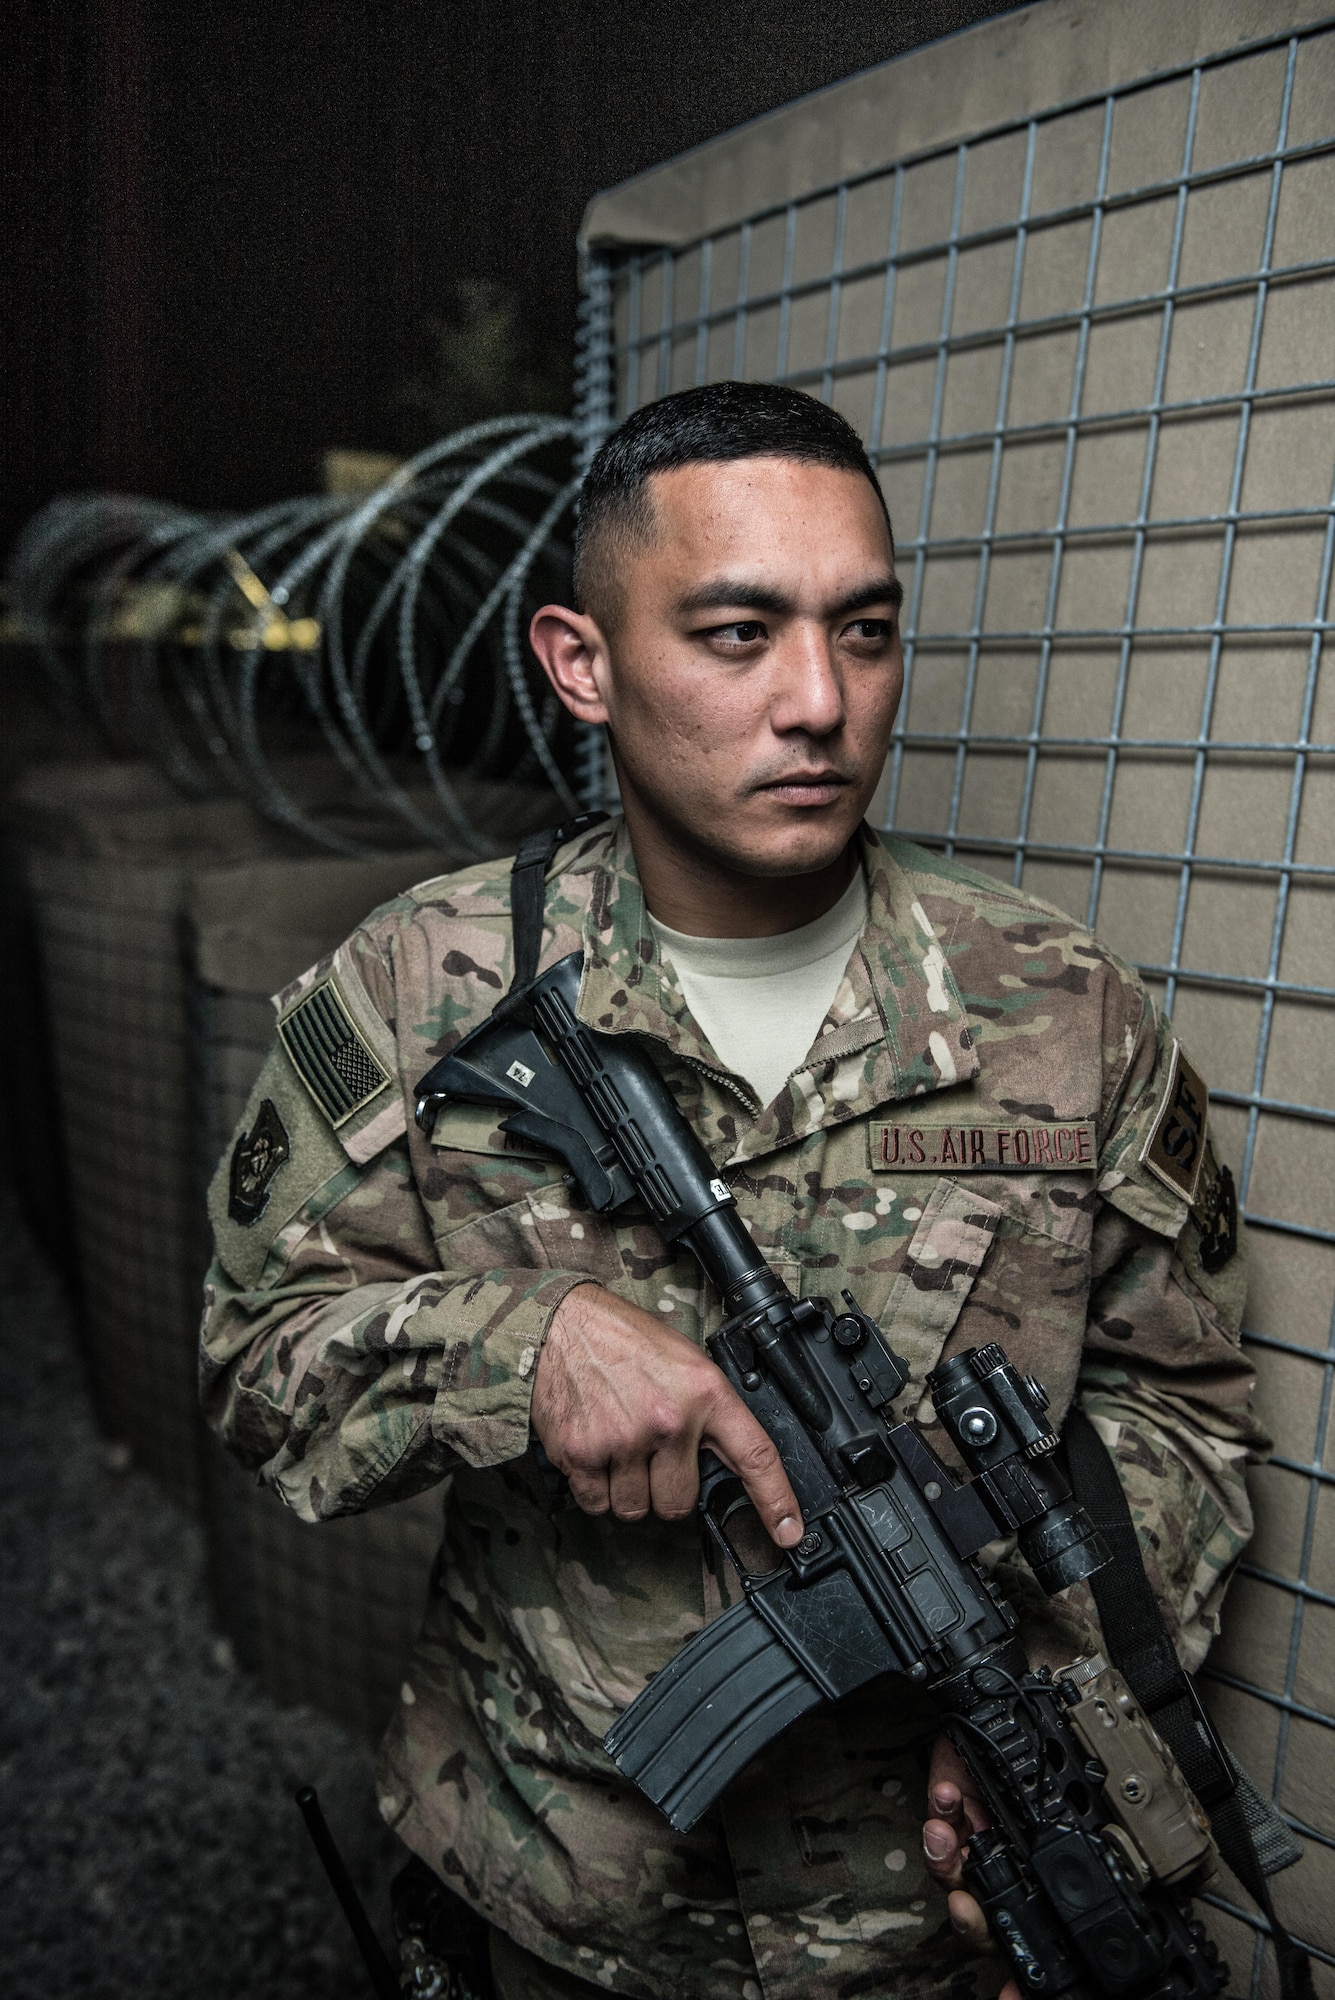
(728, 593)
(883, 590)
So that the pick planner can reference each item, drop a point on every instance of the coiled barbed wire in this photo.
(384, 631)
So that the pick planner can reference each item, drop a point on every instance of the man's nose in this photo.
(809, 693)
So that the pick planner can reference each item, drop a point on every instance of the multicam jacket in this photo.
(992, 1137)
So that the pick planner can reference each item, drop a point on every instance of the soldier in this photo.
(921, 1084)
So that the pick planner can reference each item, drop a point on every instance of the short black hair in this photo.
(709, 425)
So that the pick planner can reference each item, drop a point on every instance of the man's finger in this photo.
(588, 1489)
(942, 1849)
(628, 1485)
(947, 1772)
(674, 1482)
(952, 1790)
(967, 1918)
(749, 1451)
(946, 1802)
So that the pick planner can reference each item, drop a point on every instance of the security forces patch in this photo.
(330, 1056)
(256, 1158)
(1175, 1150)
(1215, 1211)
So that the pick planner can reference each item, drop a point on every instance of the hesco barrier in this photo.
(326, 1613)
(1072, 275)
(108, 849)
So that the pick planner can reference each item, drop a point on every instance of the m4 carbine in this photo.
(1095, 1839)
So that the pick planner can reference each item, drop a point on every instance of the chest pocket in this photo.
(944, 1256)
(1013, 1265)
(501, 1203)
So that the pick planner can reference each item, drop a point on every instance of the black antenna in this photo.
(383, 1978)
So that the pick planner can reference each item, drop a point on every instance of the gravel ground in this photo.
(149, 1845)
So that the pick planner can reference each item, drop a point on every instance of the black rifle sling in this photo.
(1142, 1651)
(528, 890)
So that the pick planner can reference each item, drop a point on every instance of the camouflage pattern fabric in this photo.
(962, 1149)
(517, 1974)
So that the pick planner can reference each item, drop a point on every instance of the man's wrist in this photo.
(483, 1403)
(530, 1372)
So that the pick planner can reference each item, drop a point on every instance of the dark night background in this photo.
(228, 223)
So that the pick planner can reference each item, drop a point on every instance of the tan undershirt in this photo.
(761, 1000)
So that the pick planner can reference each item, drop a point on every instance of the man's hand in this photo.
(622, 1405)
(957, 1811)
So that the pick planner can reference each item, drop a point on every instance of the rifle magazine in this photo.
(727, 1693)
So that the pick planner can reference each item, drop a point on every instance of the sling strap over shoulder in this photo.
(1250, 1835)
(528, 889)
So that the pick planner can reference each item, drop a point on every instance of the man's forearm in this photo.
(350, 1401)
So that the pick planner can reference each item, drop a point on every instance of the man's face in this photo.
(752, 676)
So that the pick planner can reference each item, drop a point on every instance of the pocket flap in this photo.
(475, 1128)
(945, 1255)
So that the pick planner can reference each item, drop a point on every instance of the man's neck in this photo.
(696, 893)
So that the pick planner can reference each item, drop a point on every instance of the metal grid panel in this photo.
(1093, 356)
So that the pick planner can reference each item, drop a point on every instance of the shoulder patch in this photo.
(333, 1060)
(1174, 1151)
(1215, 1213)
(256, 1158)
(283, 1160)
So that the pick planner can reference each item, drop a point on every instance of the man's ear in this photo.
(573, 655)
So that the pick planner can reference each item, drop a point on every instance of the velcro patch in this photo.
(1030, 1148)
(330, 1056)
(1175, 1149)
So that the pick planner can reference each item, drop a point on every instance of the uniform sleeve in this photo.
(338, 1358)
(1163, 1376)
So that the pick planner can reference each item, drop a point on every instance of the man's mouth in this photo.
(806, 788)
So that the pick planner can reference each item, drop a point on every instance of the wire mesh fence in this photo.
(1092, 354)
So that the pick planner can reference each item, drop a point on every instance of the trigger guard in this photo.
(716, 1480)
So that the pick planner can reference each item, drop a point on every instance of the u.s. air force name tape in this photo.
(984, 1149)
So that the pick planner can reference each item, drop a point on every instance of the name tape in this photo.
(984, 1149)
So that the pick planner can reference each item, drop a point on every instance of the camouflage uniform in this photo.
(963, 1150)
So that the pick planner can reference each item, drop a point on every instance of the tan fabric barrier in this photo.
(1013, 66)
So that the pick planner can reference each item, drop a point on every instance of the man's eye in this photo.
(877, 629)
(744, 633)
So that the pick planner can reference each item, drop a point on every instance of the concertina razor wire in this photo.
(383, 630)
